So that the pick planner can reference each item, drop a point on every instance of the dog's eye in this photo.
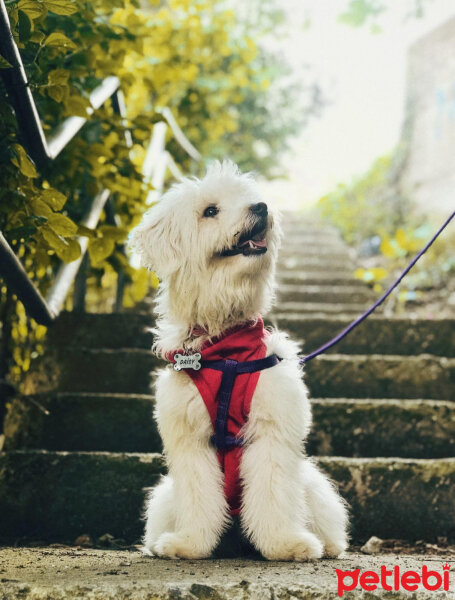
(211, 211)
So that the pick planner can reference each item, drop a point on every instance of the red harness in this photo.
(242, 344)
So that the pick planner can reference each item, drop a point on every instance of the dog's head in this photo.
(214, 235)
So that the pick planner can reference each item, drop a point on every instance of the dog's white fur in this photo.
(290, 510)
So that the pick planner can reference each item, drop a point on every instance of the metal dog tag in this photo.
(187, 361)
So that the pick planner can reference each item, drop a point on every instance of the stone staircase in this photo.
(81, 444)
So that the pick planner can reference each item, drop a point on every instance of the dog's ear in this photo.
(157, 240)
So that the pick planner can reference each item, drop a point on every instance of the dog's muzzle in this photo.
(252, 242)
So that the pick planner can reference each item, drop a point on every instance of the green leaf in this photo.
(62, 225)
(55, 241)
(40, 208)
(113, 232)
(86, 231)
(53, 198)
(71, 252)
(61, 7)
(77, 106)
(4, 64)
(66, 250)
(25, 27)
(37, 37)
(32, 8)
(99, 249)
(59, 40)
(23, 162)
(57, 92)
(58, 77)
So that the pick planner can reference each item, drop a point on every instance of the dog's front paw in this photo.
(178, 545)
(335, 549)
(303, 547)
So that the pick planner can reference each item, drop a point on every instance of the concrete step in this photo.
(377, 335)
(320, 308)
(326, 256)
(93, 330)
(383, 427)
(315, 264)
(332, 278)
(378, 376)
(121, 370)
(326, 294)
(334, 376)
(124, 423)
(83, 422)
(75, 573)
(59, 495)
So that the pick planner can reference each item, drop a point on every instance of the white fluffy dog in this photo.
(214, 244)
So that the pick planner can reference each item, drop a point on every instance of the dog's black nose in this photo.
(259, 209)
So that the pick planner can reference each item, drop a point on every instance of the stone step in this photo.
(60, 495)
(377, 335)
(123, 370)
(383, 427)
(124, 423)
(379, 376)
(325, 294)
(28, 574)
(320, 308)
(315, 264)
(298, 227)
(93, 330)
(337, 375)
(327, 256)
(332, 278)
(83, 422)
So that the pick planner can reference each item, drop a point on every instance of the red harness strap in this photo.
(244, 343)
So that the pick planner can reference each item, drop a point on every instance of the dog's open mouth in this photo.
(250, 243)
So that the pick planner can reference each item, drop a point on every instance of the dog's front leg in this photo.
(199, 505)
(274, 510)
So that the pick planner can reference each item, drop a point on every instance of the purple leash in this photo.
(378, 302)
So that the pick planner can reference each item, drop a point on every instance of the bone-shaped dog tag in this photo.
(187, 361)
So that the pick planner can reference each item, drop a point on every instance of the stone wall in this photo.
(429, 130)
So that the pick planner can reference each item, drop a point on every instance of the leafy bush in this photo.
(373, 208)
(193, 56)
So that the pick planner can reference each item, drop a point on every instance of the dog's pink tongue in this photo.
(254, 244)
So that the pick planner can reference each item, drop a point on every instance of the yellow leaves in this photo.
(4, 64)
(61, 7)
(142, 280)
(387, 248)
(59, 40)
(77, 106)
(32, 8)
(401, 244)
(53, 198)
(40, 208)
(99, 249)
(371, 275)
(23, 162)
(62, 225)
(58, 77)
(66, 249)
(154, 281)
(103, 246)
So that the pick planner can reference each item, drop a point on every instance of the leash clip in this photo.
(187, 361)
